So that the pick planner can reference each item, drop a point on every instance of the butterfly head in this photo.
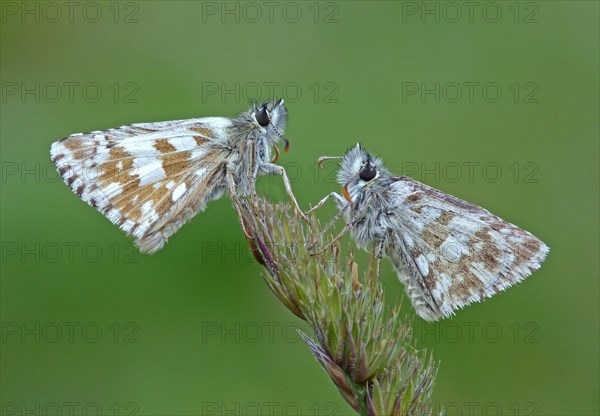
(358, 172)
(271, 118)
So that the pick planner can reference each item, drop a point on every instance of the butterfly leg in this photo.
(253, 181)
(377, 252)
(253, 174)
(230, 183)
(348, 226)
(329, 225)
(339, 200)
(279, 170)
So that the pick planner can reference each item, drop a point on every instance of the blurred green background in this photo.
(89, 324)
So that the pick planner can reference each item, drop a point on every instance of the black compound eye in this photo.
(262, 116)
(368, 172)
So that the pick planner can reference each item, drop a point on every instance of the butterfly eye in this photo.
(262, 116)
(368, 172)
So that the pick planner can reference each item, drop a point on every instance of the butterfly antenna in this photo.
(324, 158)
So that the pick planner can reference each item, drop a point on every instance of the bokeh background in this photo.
(497, 104)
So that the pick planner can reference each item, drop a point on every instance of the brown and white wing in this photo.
(148, 178)
(451, 253)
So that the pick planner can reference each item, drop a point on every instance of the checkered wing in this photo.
(147, 178)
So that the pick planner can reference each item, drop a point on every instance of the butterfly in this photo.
(150, 178)
(447, 252)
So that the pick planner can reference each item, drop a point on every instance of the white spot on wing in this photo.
(178, 191)
(216, 122)
(198, 153)
(183, 143)
(148, 212)
(422, 265)
(201, 172)
(150, 172)
(113, 189)
(146, 207)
